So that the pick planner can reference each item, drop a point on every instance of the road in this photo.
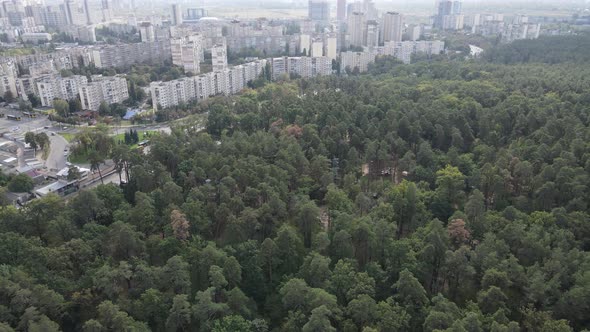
(56, 159)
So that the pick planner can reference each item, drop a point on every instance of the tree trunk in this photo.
(100, 175)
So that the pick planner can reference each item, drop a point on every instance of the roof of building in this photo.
(66, 170)
(54, 187)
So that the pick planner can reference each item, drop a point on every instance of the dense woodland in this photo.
(443, 195)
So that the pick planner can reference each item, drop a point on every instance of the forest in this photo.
(446, 195)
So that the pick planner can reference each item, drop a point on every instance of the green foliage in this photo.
(21, 183)
(61, 107)
(439, 196)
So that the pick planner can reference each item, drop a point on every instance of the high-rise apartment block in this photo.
(331, 50)
(110, 89)
(372, 34)
(341, 10)
(357, 29)
(360, 60)
(77, 12)
(219, 57)
(448, 15)
(228, 81)
(301, 66)
(8, 75)
(304, 44)
(187, 52)
(59, 87)
(319, 10)
(146, 32)
(124, 55)
(404, 50)
(317, 48)
(176, 14)
(391, 27)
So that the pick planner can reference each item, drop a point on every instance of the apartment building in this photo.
(227, 81)
(124, 55)
(8, 74)
(301, 66)
(404, 50)
(360, 60)
(110, 89)
(187, 52)
(65, 88)
(391, 27)
(219, 57)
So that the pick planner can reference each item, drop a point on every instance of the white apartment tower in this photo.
(391, 27)
(317, 48)
(60, 87)
(357, 26)
(219, 57)
(146, 31)
(332, 47)
(176, 14)
(372, 36)
(110, 89)
(305, 44)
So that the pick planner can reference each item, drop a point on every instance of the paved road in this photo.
(56, 159)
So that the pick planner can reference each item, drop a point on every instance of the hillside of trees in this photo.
(440, 196)
(546, 49)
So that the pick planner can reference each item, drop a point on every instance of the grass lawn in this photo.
(120, 138)
(68, 136)
(78, 158)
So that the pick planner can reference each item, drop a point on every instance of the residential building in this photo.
(341, 10)
(331, 50)
(187, 53)
(404, 50)
(359, 60)
(8, 84)
(414, 32)
(146, 32)
(357, 28)
(59, 87)
(391, 27)
(446, 8)
(514, 32)
(110, 89)
(372, 36)
(317, 48)
(319, 10)
(304, 44)
(453, 22)
(81, 33)
(301, 66)
(124, 55)
(219, 57)
(197, 88)
(36, 37)
(77, 13)
(8, 76)
(176, 14)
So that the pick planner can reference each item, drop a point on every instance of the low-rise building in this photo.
(61, 188)
(36, 37)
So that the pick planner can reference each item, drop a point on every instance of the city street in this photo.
(57, 158)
